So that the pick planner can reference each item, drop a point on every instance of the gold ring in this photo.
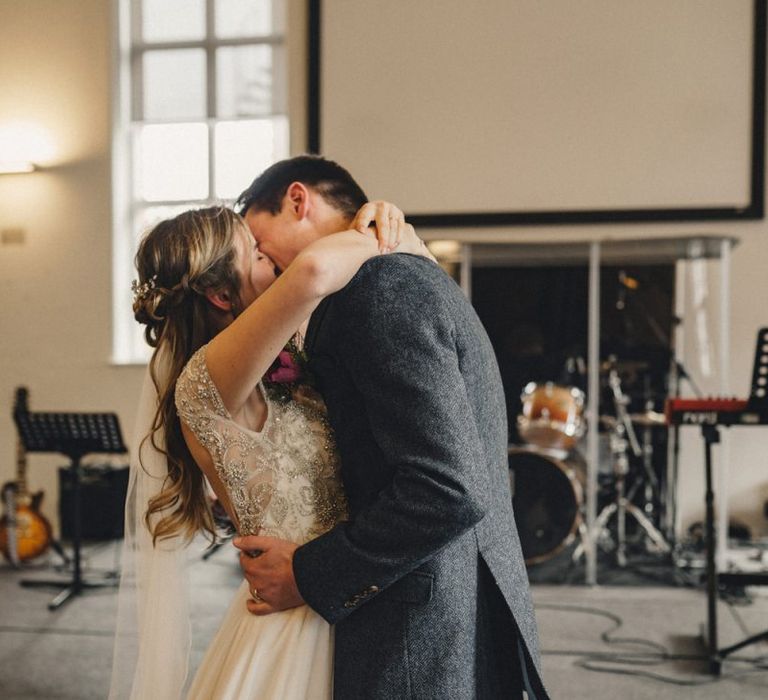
(255, 595)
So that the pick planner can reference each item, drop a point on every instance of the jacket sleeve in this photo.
(398, 341)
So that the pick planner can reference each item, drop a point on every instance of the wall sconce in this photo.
(13, 167)
(24, 147)
(445, 249)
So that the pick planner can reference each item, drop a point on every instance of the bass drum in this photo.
(547, 497)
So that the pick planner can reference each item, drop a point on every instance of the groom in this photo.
(425, 583)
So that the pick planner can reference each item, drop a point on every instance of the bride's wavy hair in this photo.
(178, 261)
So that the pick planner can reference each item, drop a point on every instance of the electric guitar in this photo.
(24, 532)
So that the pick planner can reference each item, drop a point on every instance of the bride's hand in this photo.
(411, 243)
(389, 220)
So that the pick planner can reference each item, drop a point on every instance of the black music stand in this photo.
(757, 404)
(74, 435)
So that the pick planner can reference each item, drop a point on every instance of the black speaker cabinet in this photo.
(102, 496)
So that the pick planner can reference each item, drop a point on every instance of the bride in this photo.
(217, 318)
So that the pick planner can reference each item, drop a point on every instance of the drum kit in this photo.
(548, 472)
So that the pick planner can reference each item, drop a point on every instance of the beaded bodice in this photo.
(282, 481)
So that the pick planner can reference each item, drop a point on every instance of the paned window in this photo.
(200, 110)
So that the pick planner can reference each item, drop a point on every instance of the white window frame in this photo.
(128, 345)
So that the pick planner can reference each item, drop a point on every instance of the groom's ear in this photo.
(297, 198)
(221, 300)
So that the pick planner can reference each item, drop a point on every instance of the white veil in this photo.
(153, 633)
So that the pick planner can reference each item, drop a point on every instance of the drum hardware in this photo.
(651, 482)
(548, 475)
(649, 419)
(623, 439)
(623, 366)
(646, 421)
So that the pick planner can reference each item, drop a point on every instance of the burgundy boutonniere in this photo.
(288, 372)
(284, 370)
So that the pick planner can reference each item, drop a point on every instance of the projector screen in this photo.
(493, 112)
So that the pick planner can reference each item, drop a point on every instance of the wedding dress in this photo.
(282, 481)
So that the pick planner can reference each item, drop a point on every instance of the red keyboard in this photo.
(713, 411)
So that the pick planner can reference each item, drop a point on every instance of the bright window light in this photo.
(201, 110)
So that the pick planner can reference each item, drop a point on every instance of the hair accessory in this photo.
(140, 291)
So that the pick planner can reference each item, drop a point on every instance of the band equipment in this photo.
(103, 489)
(710, 415)
(713, 411)
(623, 443)
(24, 532)
(551, 416)
(547, 498)
(74, 435)
(548, 474)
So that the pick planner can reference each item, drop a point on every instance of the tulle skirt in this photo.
(283, 656)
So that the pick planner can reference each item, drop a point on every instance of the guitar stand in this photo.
(57, 547)
(74, 435)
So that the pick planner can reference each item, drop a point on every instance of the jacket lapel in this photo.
(315, 321)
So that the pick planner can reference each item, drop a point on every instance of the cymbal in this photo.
(648, 419)
(623, 365)
(608, 421)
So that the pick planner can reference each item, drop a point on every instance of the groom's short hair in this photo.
(329, 179)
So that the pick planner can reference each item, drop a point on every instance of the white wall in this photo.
(55, 287)
(55, 324)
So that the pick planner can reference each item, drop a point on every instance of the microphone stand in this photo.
(677, 374)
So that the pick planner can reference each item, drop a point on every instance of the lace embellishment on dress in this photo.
(282, 481)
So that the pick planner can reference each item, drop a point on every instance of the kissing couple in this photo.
(372, 508)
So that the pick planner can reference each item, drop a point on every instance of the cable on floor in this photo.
(655, 653)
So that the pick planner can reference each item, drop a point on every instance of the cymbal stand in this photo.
(651, 485)
(623, 437)
(677, 374)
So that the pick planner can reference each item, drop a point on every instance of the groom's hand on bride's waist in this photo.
(267, 564)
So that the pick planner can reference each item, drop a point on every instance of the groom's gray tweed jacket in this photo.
(415, 398)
